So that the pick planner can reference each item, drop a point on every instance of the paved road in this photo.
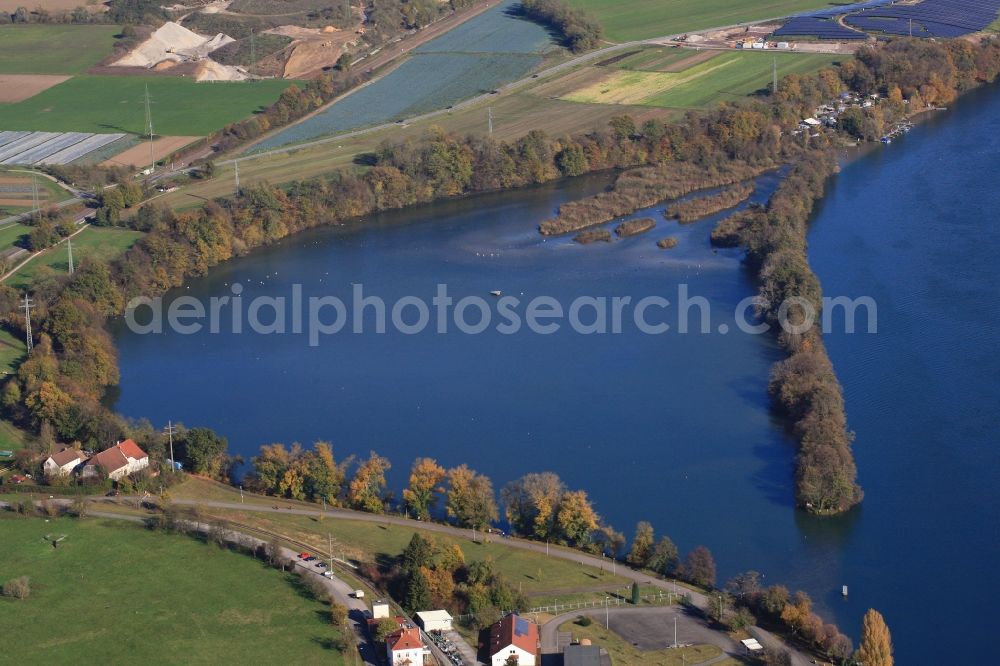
(698, 599)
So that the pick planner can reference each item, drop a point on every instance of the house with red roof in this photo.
(63, 462)
(405, 648)
(120, 460)
(514, 637)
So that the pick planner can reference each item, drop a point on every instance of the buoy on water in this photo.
(843, 590)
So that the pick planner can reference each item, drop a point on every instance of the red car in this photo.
(303, 556)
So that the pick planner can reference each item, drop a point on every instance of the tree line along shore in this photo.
(57, 391)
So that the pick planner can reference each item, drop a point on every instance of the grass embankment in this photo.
(634, 227)
(116, 592)
(538, 576)
(103, 243)
(12, 350)
(11, 437)
(12, 234)
(623, 652)
(693, 210)
(533, 573)
(53, 49)
(642, 19)
(641, 188)
(107, 104)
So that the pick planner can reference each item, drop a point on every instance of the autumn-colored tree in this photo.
(576, 518)
(530, 504)
(425, 478)
(665, 557)
(876, 642)
(642, 545)
(368, 484)
(470, 500)
(699, 567)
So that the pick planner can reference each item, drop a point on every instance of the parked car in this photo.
(358, 594)
(321, 565)
(303, 556)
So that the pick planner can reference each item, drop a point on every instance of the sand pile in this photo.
(209, 70)
(173, 41)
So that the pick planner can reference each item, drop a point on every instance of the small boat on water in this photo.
(886, 139)
(496, 292)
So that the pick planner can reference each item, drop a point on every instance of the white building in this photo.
(405, 648)
(516, 637)
(435, 620)
(120, 460)
(63, 462)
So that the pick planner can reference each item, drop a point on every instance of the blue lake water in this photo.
(670, 428)
(485, 52)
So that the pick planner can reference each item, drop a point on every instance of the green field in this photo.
(11, 352)
(728, 75)
(11, 233)
(53, 49)
(643, 19)
(181, 106)
(100, 242)
(118, 593)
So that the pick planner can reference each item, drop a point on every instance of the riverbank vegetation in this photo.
(579, 31)
(635, 227)
(593, 236)
(667, 243)
(691, 210)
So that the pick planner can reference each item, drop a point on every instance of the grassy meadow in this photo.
(118, 593)
(644, 19)
(100, 242)
(717, 77)
(104, 104)
(12, 350)
(54, 49)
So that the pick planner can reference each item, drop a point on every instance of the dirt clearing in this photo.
(19, 87)
(138, 155)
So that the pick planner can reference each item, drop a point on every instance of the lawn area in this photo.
(11, 233)
(54, 49)
(534, 573)
(96, 242)
(643, 19)
(726, 75)
(623, 652)
(12, 350)
(181, 106)
(11, 437)
(190, 602)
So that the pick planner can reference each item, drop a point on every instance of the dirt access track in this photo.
(19, 87)
(138, 155)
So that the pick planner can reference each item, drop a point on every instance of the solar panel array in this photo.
(50, 147)
(929, 18)
(823, 28)
(521, 627)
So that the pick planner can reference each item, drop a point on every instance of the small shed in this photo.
(434, 620)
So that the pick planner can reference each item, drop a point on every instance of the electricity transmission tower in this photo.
(69, 245)
(26, 306)
(236, 167)
(490, 120)
(170, 430)
(149, 128)
(774, 81)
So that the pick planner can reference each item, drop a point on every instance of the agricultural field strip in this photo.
(548, 73)
(636, 87)
(50, 147)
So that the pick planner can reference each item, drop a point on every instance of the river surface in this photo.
(673, 428)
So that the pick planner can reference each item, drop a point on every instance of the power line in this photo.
(149, 127)
(170, 430)
(253, 55)
(36, 212)
(236, 167)
(490, 120)
(26, 306)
